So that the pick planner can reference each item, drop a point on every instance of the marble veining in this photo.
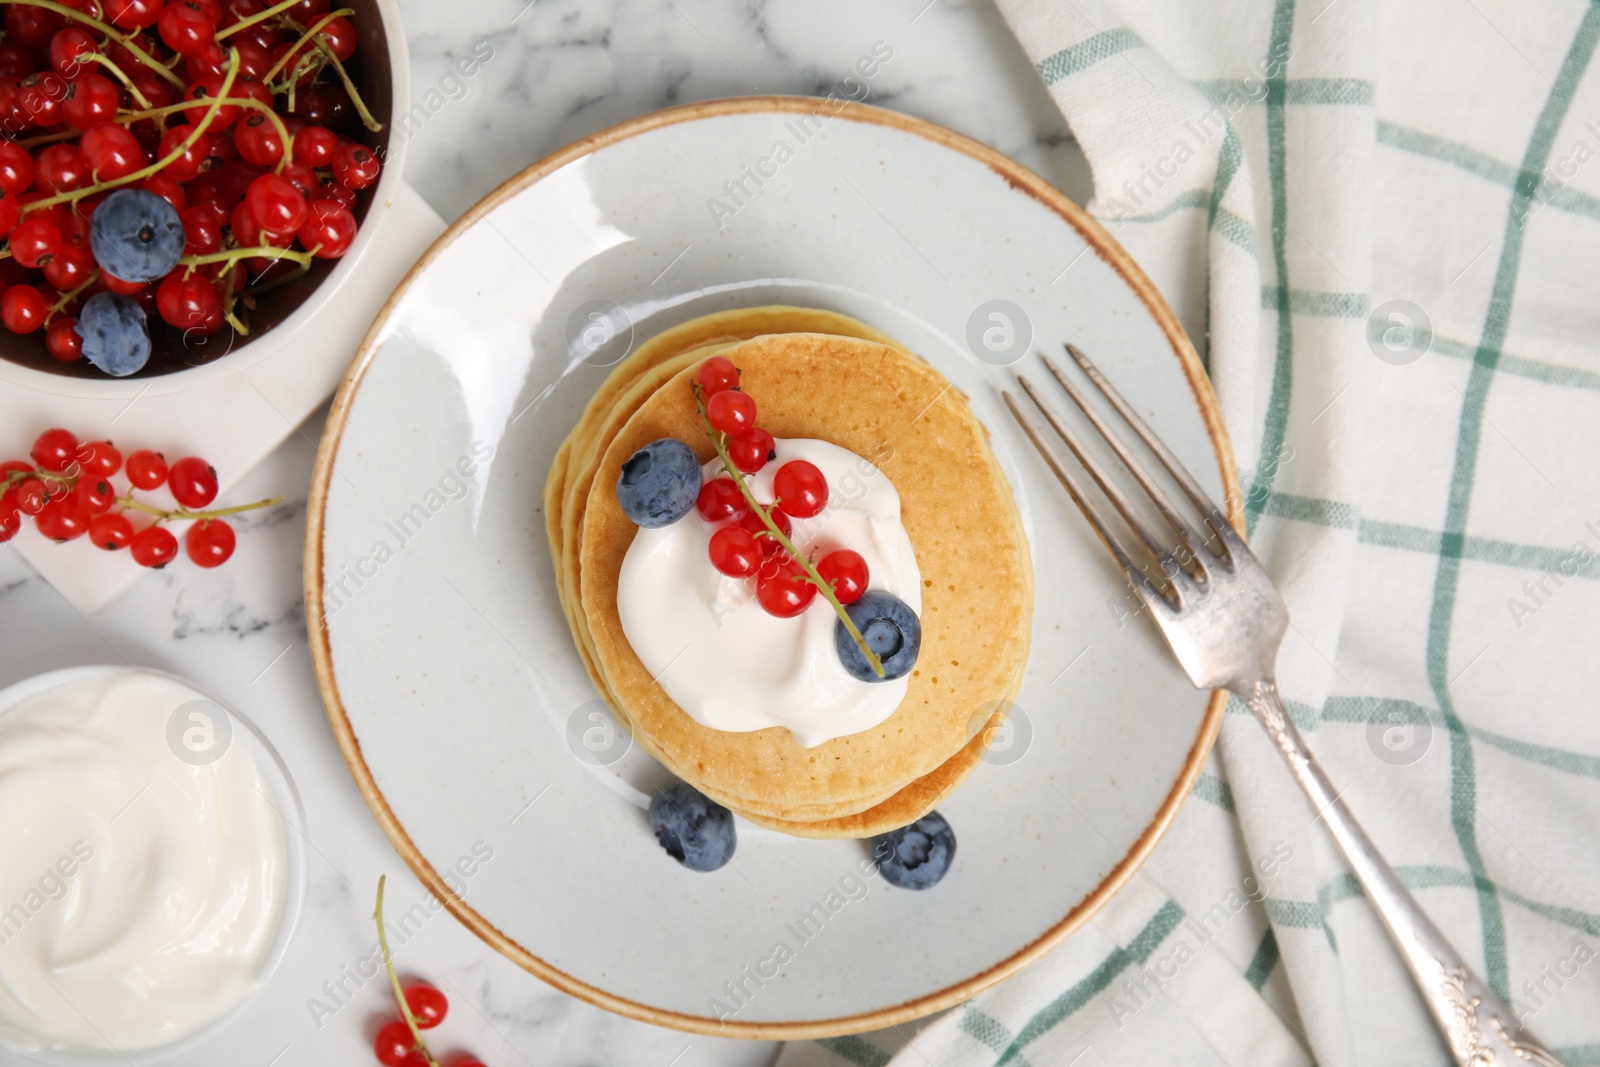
(556, 70)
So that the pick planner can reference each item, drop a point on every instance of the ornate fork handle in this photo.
(1479, 1026)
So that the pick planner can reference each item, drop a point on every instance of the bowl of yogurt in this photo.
(154, 865)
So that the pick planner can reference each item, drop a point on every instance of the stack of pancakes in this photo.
(813, 374)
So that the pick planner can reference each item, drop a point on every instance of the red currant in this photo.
(154, 547)
(16, 167)
(187, 165)
(201, 233)
(783, 589)
(69, 267)
(193, 482)
(338, 191)
(800, 488)
(10, 524)
(132, 14)
(355, 165)
(111, 151)
(60, 169)
(734, 552)
(751, 450)
(41, 96)
(147, 469)
(315, 145)
(10, 212)
(185, 27)
(717, 374)
(34, 241)
(23, 309)
(720, 499)
(111, 531)
(394, 1043)
(202, 92)
(95, 495)
(209, 543)
(31, 496)
(302, 178)
(769, 544)
(31, 26)
(428, 1005)
(329, 229)
(166, 189)
(258, 140)
(846, 572)
(91, 98)
(61, 339)
(16, 59)
(186, 301)
(731, 411)
(340, 37)
(55, 450)
(99, 459)
(118, 285)
(67, 47)
(63, 519)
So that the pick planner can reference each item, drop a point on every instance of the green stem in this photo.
(260, 16)
(394, 980)
(185, 515)
(367, 119)
(261, 251)
(294, 53)
(69, 297)
(128, 118)
(145, 172)
(788, 546)
(105, 61)
(110, 31)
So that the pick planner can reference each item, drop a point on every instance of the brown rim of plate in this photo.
(1023, 181)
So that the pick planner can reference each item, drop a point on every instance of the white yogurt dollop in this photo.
(724, 660)
(139, 892)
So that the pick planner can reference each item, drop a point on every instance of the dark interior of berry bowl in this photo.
(172, 349)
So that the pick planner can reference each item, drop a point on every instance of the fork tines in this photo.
(1193, 553)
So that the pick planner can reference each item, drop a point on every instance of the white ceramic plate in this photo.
(449, 674)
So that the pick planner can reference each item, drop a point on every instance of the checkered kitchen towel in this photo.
(1385, 220)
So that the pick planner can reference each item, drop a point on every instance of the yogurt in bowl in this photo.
(154, 865)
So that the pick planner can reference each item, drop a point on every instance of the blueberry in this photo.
(695, 830)
(892, 630)
(659, 483)
(115, 337)
(916, 856)
(136, 235)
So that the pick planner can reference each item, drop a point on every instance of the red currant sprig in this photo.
(68, 491)
(399, 1043)
(783, 587)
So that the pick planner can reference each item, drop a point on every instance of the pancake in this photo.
(885, 405)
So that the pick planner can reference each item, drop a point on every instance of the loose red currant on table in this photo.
(111, 531)
(801, 488)
(394, 1044)
(55, 450)
(209, 542)
(782, 588)
(769, 544)
(63, 519)
(147, 469)
(845, 572)
(734, 552)
(751, 450)
(720, 499)
(428, 1005)
(154, 546)
(193, 482)
(730, 411)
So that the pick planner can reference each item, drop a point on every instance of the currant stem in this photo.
(394, 980)
(185, 515)
(128, 118)
(305, 38)
(258, 251)
(105, 61)
(110, 31)
(144, 172)
(69, 297)
(260, 16)
(350, 87)
(788, 546)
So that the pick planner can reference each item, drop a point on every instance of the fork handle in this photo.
(1477, 1025)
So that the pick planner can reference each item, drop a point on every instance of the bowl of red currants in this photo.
(179, 178)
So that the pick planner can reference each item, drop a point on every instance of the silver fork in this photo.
(1224, 619)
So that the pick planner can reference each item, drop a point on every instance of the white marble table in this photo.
(556, 70)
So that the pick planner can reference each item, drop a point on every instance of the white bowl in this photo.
(285, 798)
(250, 351)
